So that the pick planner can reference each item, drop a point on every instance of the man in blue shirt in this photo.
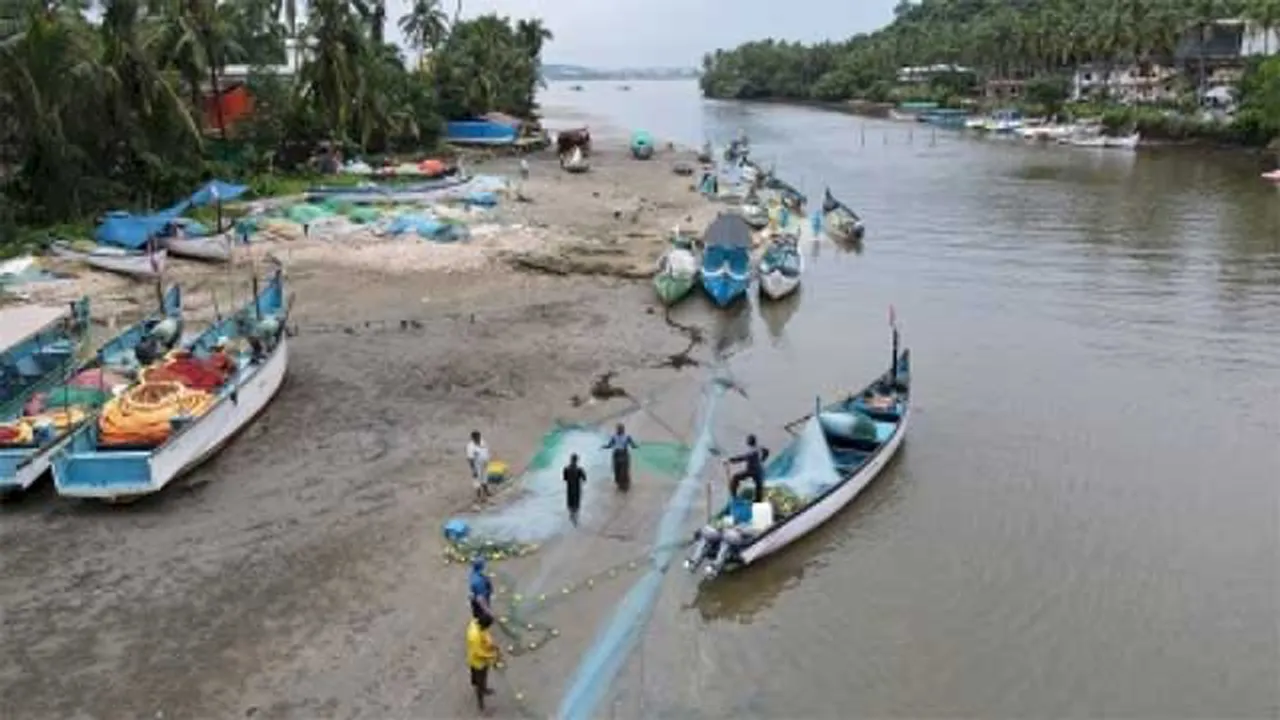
(481, 591)
(753, 467)
(621, 444)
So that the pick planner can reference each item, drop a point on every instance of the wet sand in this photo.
(299, 573)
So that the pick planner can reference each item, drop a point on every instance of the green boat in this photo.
(677, 271)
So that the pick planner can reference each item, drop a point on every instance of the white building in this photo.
(926, 73)
(1129, 84)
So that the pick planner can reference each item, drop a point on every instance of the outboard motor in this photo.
(705, 543)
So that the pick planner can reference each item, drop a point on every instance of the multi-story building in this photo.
(1130, 84)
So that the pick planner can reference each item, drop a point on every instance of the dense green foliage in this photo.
(1037, 40)
(107, 112)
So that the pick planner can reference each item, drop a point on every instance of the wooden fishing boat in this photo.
(861, 432)
(726, 259)
(209, 248)
(838, 220)
(781, 267)
(254, 344)
(134, 264)
(677, 271)
(39, 346)
(23, 463)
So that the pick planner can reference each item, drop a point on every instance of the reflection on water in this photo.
(731, 328)
(777, 313)
(1090, 486)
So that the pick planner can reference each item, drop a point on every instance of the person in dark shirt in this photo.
(753, 467)
(574, 477)
(481, 591)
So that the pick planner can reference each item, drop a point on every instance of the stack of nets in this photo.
(22, 431)
(207, 374)
(785, 501)
(463, 551)
(16, 433)
(142, 416)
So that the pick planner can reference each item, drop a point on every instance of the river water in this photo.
(1085, 520)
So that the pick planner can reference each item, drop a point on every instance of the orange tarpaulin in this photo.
(142, 415)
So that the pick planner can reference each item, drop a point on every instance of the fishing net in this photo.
(66, 396)
(15, 433)
(205, 374)
(805, 469)
(540, 512)
(62, 419)
(364, 215)
(305, 213)
(143, 415)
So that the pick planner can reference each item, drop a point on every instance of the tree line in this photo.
(1000, 39)
(101, 106)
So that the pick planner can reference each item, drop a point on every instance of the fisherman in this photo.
(621, 444)
(481, 590)
(574, 477)
(478, 463)
(482, 653)
(753, 467)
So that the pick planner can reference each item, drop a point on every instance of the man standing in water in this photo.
(478, 463)
(621, 444)
(574, 477)
(482, 653)
(753, 467)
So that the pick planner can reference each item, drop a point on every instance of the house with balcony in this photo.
(1214, 55)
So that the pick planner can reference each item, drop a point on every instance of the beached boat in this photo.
(38, 346)
(210, 248)
(842, 448)
(163, 427)
(1123, 142)
(1046, 133)
(1273, 175)
(726, 259)
(781, 267)
(838, 220)
(576, 162)
(677, 271)
(706, 154)
(138, 265)
(52, 415)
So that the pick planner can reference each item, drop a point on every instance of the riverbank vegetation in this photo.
(1040, 42)
(109, 111)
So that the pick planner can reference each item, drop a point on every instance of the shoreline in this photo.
(301, 571)
(880, 111)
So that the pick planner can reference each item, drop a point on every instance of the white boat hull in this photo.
(818, 513)
(775, 285)
(139, 266)
(204, 437)
(215, 248)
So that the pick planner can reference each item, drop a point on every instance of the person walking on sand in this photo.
(574, 477)
(480, 588)
(621, 444)
(478, 463)
(482, 653)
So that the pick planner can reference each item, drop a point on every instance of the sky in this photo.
(662, 33)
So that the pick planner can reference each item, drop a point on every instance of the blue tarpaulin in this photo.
(216, 190)
(122, 229)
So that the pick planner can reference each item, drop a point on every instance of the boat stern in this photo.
(103, 475)
(723, 288)
(19, 469)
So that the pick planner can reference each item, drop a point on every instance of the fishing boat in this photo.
(838, 220)
(781, 267)
(139, 265)
(677, 271)
(183, 410)
(726, 259)
(1273, 175)
(209, 248)
(39, 346)
(852, 439)
(576, 162)
(1123, 142)
(52, 415)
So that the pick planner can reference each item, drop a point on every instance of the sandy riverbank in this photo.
(299, 573)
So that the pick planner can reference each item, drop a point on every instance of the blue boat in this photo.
(482, 131)
(726, 259)
(40, 347)
(852, 440)
(253, 343)
(22, 464)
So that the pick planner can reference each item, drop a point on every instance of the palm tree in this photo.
(425, 26)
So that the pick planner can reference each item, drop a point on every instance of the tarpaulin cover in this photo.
(216, 190)
(125, 230)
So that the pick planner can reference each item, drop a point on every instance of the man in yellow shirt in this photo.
(482, 653)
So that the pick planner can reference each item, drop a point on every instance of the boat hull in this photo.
(673, 287)
(123, 474)
(808, 519)
(723, 287)
(777, 285)
(215, 248)
(141, 266)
